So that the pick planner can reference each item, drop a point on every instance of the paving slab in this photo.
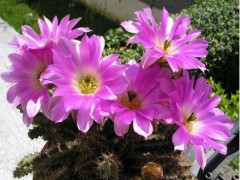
(14, 140)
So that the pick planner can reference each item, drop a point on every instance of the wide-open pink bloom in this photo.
(170, 42)
(145, 99)
(25, 78)
(84, 80)
(200, 122)
(50, 33)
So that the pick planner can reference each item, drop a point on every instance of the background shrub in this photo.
(18, 14)
(229, 103)
(116, 42)
(219, 22)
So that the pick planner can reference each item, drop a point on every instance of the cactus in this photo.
(108, 166)
(100, 154)
(25, 165)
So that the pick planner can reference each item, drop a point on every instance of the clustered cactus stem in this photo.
(100, 154)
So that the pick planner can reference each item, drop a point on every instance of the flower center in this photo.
(87, 84)
(131, 101)
(38, 76)
(166, 45)
(188, 121)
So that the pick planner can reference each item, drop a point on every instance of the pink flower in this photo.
(84, 80)
(145, 99)
(25, 78)
(200, 122)
(170, 42)
(50, 33)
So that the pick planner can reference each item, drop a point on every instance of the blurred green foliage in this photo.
(219, 23)
(116, 42)
(18, 14)
(235, 163)
(229, 104)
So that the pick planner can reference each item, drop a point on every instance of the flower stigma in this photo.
(131, 101)
(188, 121)
(166, 45)
(38, 76)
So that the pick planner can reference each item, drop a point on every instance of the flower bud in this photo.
(152, 171)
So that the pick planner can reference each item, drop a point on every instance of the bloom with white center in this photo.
(25, 78)
(143, 100)
(171, 42)
(84, 80)
(199, 121)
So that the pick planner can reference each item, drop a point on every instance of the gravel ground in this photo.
(14, 141)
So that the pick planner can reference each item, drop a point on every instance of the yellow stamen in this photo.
(87, 85)
(166, 45)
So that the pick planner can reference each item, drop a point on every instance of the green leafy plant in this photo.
(229, 104)
(116, 40)
(18, 14)
(219, 22)
(235, 164)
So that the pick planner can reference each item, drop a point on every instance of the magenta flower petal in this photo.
(125, 117)
(106, 93)
(147, 113)
(218, 146)
(71, 103)
(99, 110)
(50, 33)
(163, 26)
(200, 156)
(26, 119)
(58, 111)
(120, 128)
(33, 107)
(128, 25)
(150, 56)
(217, 131)
(166, 85)
(180, 27)
(180, 139)
(142, 126)
(116, 108)
(84, 121)
(93, 51)
(12, 96)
